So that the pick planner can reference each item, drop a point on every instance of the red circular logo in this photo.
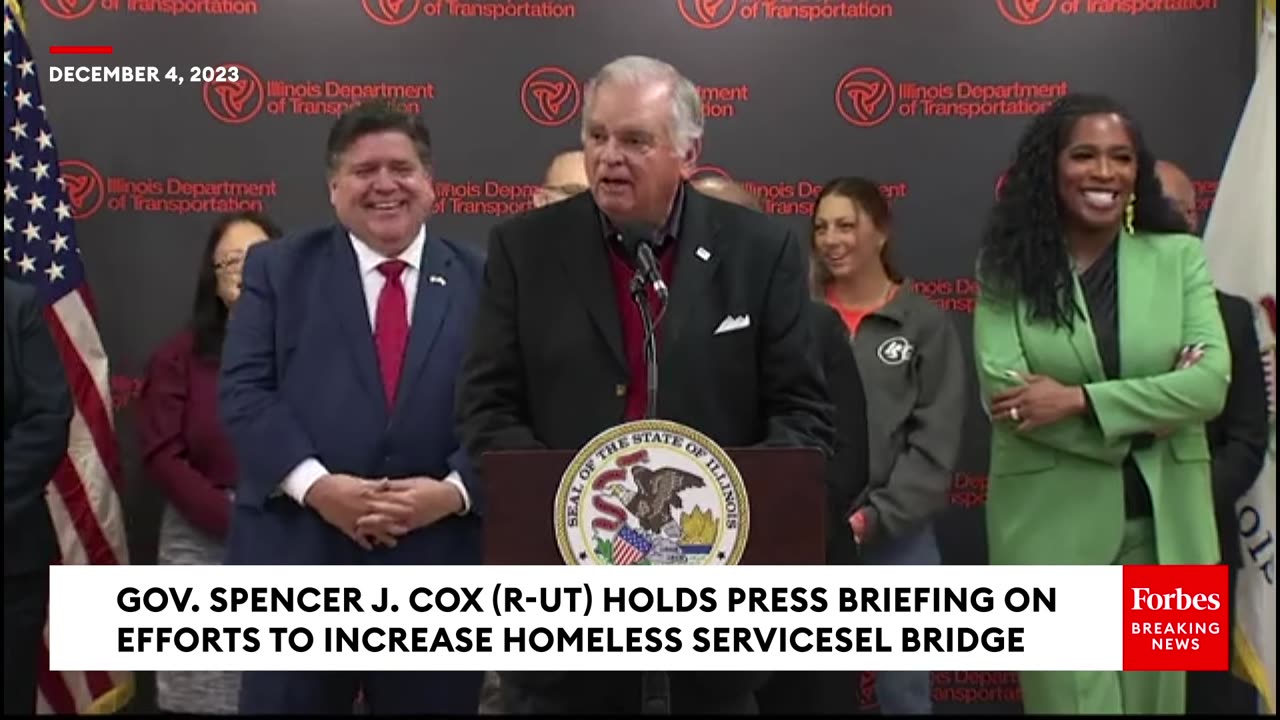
(84, 187)
(709, 171)
(865, 96)
(550, 96)
(68, 9)
(707, 14)
(1026, 12)
(235, 102)
(392, 12)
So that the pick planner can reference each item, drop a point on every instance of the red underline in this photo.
(80, 50)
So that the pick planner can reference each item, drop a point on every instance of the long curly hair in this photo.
(1024, 252)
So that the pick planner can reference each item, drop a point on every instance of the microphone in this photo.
(638, 240)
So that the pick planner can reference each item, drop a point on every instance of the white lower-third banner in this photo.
(637, 618)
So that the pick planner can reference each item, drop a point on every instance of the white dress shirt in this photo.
(302, 477)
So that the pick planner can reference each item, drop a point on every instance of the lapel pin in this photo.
(703, 253)
(438, 280)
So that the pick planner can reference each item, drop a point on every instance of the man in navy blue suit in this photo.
(337, 390)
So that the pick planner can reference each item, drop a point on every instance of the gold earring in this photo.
(1128, 215)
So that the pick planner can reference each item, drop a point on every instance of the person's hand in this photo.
(342, 500)
(1039, 401)
(1188, 356)
(401, 506)
(860, 524)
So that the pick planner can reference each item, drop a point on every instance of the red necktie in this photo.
(391, 327)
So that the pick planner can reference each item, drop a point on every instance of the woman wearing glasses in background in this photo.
(184, 450)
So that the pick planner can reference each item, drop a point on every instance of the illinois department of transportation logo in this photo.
(550, 96)
(1026, 12)
(651, 492)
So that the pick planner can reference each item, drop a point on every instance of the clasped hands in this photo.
(380, 511)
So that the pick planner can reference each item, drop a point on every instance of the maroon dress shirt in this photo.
(184, 449)
(632, 323)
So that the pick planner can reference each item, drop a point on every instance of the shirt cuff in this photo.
(300, 480)
(455, 480)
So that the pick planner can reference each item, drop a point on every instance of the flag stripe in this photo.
(53, 686)
(41, 250)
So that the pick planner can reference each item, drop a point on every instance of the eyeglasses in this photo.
(229, 265)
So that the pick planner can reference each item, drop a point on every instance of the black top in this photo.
(1099, 282)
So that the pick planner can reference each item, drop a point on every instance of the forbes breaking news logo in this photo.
(1176, 618)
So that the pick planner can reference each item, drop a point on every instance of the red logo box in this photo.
(1176, 617)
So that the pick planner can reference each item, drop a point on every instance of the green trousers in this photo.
(1109, 693)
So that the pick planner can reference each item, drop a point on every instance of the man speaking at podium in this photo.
(557, 356)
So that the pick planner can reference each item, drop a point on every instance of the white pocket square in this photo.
(733, 322)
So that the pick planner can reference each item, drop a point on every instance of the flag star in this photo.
(10, 191)
(27, 67)
(27, 264)
(8, 25)
(7, 61)
(19, 129)
(62, 183)
(63, 210)
(41, 170)
(54, 271)
(35, 202)
(14, 161)
(32, 231)
(45, 140)
(8, 224)
(6, 254)
(42, 110)
(59, 243)
(23, 99)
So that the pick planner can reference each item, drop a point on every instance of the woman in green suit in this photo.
(1101, 354)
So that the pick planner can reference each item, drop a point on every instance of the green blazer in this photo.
(1056, 493)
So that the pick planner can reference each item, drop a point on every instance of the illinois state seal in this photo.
(651, 492)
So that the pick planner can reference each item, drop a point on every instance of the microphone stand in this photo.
(640, 295)
(655, 685)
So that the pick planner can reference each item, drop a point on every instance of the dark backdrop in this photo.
(927, 97)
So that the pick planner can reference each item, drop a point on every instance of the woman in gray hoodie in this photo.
(913, 374)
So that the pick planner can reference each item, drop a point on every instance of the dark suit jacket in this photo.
(547, 370)
(300, 379)
(1238, 436)
(37, 421)
(848, 470)
(547, 364)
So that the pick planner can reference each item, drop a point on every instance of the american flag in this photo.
(630, 546)
(40, 248)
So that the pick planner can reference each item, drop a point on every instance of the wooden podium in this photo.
(786, 495)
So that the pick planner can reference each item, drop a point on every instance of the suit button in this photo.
(620, 390)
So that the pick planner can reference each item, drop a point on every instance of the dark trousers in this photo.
(810, 692)
(619, 693)
(25, 598)
(1221, 693)
(385, 693)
